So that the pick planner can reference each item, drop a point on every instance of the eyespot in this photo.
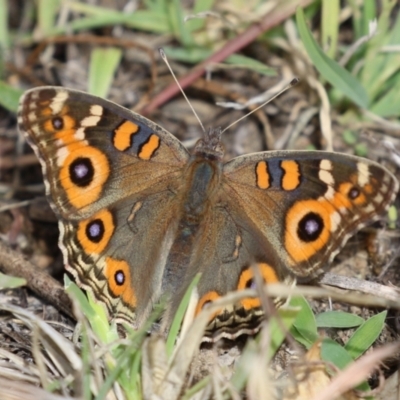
(95, 230)
(81, 171)
(353, 193)
(95, 233)
(119, 277)
(58, 123)
(119, 280)
(310, 227)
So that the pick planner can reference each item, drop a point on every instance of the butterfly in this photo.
(140, 216)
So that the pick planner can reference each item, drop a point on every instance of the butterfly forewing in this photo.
(110, 176)
(95, 152)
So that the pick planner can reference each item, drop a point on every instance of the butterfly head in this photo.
(210, 146)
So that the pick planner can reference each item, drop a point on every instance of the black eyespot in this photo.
(353, 193)
(58, 123)
(250, 284)
(95, 230)
(310, 227)
(81, 171)
(119, 277)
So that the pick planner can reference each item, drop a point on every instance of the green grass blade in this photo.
(388, 105)
(191, 392)
(11, 282)
(47, 13)
(95, 17)
(178, 26)
(103, 64)
(330, 26)
(374, 72)
(94, 312)
(178, 318)
(368, 13)
(250, 63)
(190, 55)
(4, 33)
(329, 69)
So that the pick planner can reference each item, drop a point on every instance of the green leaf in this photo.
(103, 64)
(333, 352)
(305, 325)
(338, 319)
(365, 335)
(9, 96)
(11, 282)
(287, 317)
(328, 68)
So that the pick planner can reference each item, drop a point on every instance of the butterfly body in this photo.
(140, 216)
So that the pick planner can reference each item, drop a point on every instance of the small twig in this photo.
(371, 288)
(41, 283)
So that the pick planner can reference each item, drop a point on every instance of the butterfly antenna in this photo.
(292, 83)
(164, 57)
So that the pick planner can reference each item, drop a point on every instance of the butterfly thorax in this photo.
(202, 177)
(203, 182)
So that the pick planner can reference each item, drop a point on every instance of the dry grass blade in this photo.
(16, 390)
(166, 381)
(52, 351)
(356, 372)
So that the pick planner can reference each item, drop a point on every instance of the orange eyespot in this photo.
(94, 234)
(119, 280)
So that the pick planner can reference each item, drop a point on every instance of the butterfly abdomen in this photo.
(199, 194)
